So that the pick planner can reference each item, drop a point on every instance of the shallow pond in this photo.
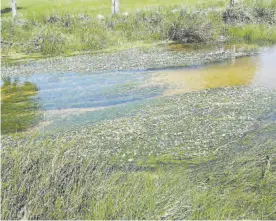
(66, 96)
(257, 71)
(66, 100)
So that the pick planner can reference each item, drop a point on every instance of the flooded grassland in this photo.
(66, 100)
(176, 143)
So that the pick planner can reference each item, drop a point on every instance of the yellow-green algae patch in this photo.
(18, 110)
(238, 72)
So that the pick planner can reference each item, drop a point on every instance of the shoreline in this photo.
(139, 59)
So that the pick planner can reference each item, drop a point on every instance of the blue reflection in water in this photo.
(75, 91)
(65, 91)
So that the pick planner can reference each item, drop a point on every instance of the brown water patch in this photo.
(237, 72)
(258, 71)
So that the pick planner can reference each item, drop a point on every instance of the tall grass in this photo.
(57, 34)
(257, 33)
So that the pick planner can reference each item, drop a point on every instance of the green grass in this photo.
(245, 185)
(95, 7)
(52, 30)
(192, 156)
(253, 33)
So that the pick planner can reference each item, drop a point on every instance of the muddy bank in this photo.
(131, 59)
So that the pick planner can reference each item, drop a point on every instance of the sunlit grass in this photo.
(256, 33)
(192, 156)
(29, 8)
(38, 8)
(64, 34)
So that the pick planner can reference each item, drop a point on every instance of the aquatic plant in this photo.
(201, 155)
(18, 110)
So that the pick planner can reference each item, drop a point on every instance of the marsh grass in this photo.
(64, 33)
(257, 33)
(198, 158)
(201, 155)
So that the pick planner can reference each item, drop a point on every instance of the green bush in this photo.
(53, 43)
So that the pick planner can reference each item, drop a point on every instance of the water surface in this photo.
(257, 71)
(72, 99)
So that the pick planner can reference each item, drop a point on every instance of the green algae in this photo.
(18, 110)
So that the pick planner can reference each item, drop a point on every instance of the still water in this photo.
(66, 100)
(257, 71)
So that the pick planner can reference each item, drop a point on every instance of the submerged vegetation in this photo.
(63, 33)
(201, 155)
(208, 154)
(18, 110)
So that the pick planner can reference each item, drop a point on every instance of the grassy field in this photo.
(30, 8)
(49, 28)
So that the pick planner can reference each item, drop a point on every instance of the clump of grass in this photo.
(253, 15)
(253, 33)
(53, 43)
(194, 28)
